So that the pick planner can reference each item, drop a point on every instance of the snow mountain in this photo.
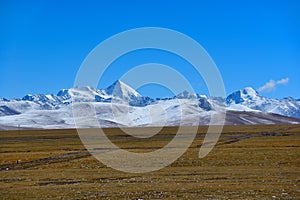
(248, 99)
(120, 105)
(122, 91)
(247, 94)
(119, 92)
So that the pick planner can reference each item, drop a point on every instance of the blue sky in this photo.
(253, 43)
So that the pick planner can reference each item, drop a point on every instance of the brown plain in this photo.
(249, 162)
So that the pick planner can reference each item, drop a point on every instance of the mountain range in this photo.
(120, 105)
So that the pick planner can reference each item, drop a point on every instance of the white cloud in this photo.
(283, 81)
(271, 85)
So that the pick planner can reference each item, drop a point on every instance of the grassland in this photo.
(249, 162)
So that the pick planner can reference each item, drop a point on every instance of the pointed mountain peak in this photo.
(118, 82)
(121, 90)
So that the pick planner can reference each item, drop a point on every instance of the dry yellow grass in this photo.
(249, 162)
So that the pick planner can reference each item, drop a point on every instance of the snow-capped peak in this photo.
(249, 92)
(248, 98)
(80, 94)
(76, 90)
(118, 92)
(186, 95)
(122, 91)
(246, 94)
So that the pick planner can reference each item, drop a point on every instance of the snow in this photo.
(239, 107)
(120, 105)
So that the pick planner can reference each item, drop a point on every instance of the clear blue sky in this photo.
(43, 43)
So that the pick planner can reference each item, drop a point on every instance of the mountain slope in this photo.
(4, 111)
(162, 114)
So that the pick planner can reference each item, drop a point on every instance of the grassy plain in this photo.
(249, 162)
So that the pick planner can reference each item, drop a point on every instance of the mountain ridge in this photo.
(246, 100)
(119, 92)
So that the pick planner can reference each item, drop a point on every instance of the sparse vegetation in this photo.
(249, 162)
